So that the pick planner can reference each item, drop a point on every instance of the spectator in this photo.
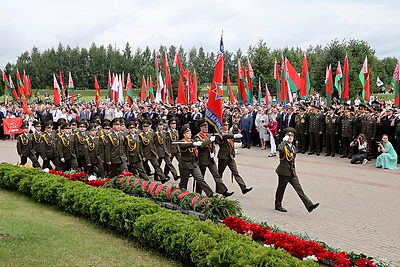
(388, 158)
(362, 145)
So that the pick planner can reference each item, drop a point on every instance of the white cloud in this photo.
(290, 23)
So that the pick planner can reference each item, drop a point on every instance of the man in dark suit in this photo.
(286, 171)
(246, 125)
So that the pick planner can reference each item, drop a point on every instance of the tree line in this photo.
(98, 60)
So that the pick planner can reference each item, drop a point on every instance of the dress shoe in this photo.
(176, 178)
(327, 155)
(303, 152)
(343, 156)
(311, 153)
(165, 180)
(281, 209)
(157, 179)
(246, 190)
(227, 194)
(333, 155)
(313, 207)
(248, 147)
(350, 156)
(317, 153)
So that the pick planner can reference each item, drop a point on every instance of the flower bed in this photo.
(296, 246)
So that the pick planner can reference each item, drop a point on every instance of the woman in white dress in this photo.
(261, 119)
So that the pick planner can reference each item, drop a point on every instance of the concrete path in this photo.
(359, 204)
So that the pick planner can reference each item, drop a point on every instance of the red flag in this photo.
(97, 87)
(26, 85)
(181, 92)
(71, 87)
(12, 87)
(232, 99)
(241, 83)
(20, 85)
(12, 125)
(277, 81)
(57, 91)
(365, 81)
(168, 82)
(346, 87)
(129, 91)
(328, 84)
(268, 98)
(30, 87)
(143, 92)
(215, 103)
(305, 78)
(193, 91)
(109, 84)
(396, 79)
(62, 85)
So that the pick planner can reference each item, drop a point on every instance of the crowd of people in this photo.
(104, 140)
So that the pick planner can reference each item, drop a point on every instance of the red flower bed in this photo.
(82, 177)
(292, 244)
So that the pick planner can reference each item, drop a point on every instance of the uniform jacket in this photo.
(93, 153)
(189, 158)
(148, 147)
(80, 143)
(287, 157)
(25, 145)
(332, 123)
(368, 126)
(347, 126)
(315, 122)
(133, 148)
(206, 148)
(114, 151)
(65, 146)
(226, 147)
(48, 145)
(159, 141)
(171, 136)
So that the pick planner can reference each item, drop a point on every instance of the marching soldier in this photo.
(348, 129)
(25, 147)
(301, 128)
(332, 130)
(162, 151)
(80, 144)
(226, 156)
(114, 150)
(206, 159)
(189, 164)
(103, 138)
(315, 129)
(94, 156)
(146, 137)
(172, 135)
(134, 152)
(36, 136)
(66, 149)
(48, 147)
(74, 126)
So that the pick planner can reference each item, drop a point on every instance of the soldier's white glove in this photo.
(212, 155)
(286, 138)
(212, 138)
(237, 136)
(197, 143)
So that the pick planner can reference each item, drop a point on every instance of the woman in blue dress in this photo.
(388, 158)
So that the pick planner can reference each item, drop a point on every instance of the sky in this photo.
(285, 23)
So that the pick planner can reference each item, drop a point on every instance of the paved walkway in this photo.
(359, 208)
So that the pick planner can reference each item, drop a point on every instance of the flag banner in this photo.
(292, 77)
(268, 98)
(20, 85)
(168, 95)
(62, 84)
(97, 87)
(215, 103)
(26, 85)
(328, 85)
(346, 86)
(259, 93)
(71, 87)
(120, 98)
(232, 99)
(129, 91)
(114, 90)
(277, 81)
(143, 92)
(150, 90)
(56, 91)
(14, 92)
(193, 89)
(396, 77)
(160, 88)
(181, 99)
(338, 79)
(364, 79)
(305, 79)
(378, 82)
(12, 125)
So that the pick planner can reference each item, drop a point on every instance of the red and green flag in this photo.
(129, 91)
(365, 81)
(71, 87)
(57, 91)
(396, 77)
(97, 87)
(259, 93)
(215, 99)
(242, 96)
(268, 98)
(12, 88)
(346, 85)
(62, 84)
(168, 95)
(143, 92)
(250, 80)
(232, 99)
(277, 81)
(109, 85)
(150, 90)
(339, 80)
(328, 85)
(292, 78)
(20, 84)
(305, 78)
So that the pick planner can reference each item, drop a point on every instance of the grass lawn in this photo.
(36, 234)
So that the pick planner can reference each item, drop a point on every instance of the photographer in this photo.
(388, 158)
(362, 145)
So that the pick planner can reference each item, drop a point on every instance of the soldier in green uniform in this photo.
(189, 164)
(162, 150)
(25, 147)
(147, 137)
(80, 144)
(66, 149)
(368, 127)
(48, 147)
(301, 128)
(36, 136)
(286, 171)
(94, 157)
(348, 130)
(114, 151)
(332, 131)
(103, 138)
(172, 135)
(226, 156)
(206, 159)
(315, 130)
(74, 126)
(133, 148)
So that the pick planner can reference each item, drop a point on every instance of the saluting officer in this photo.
(348, 129)
(189, 164)
(172, 135)
(146, 137)
(25, 147)
(162, 150)
(114, 150)
(332, 131)
(226, 156)
(48, 147)
(93, 156)
(206, 159)
(134, 152)
(66, 149)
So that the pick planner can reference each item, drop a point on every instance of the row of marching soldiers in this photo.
(107, 150)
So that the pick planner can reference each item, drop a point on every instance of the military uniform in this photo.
(134, 156)
(94, 156)
(163, 154)
(348, 130)
(332, 130)
(49, 151)
(25, 149)
(368, 127)
(66, 152)
(315, 129)
(301, 128)
(172, 135)
(114, 153)
(80, 148)
(36, 136)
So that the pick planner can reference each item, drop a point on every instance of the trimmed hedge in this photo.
(182, 237)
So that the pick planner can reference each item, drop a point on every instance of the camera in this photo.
(378, 142)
